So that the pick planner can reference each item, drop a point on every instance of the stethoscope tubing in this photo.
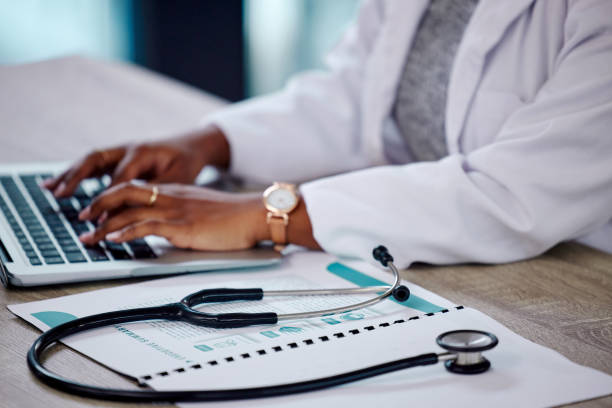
(184, 311)
(114, 394)
(387, 291)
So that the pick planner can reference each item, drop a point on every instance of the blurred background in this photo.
(232, 48)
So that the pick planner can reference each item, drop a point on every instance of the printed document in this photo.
(180, 356)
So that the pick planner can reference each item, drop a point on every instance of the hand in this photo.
(178, 159)
(188, 216)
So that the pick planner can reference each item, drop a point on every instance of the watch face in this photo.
(282, 200)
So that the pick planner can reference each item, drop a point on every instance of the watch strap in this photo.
(278, 229)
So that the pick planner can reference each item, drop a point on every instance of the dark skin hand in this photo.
(178, 160)
(188, 216)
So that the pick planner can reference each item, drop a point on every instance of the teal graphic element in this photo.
(329, 320)
(361, 279)
(52, 319)
(352, 316)
(269, 334)
(289, 329)
(203, 347)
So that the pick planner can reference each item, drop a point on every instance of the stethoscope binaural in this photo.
(463, 347)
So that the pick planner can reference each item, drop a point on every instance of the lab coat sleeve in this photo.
(546, 178)
(311, 128)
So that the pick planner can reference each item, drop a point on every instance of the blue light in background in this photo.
(284, 37)
(33, 30)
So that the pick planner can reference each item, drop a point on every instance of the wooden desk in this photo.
(562, 299)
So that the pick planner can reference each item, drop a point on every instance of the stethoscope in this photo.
(463, 356)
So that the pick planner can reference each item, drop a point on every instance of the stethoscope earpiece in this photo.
(401, 293)
(381, 254)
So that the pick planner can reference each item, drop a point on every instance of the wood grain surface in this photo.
(562, 299)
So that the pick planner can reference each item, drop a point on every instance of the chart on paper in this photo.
(166, 345)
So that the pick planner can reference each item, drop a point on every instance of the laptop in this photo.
(39, 242)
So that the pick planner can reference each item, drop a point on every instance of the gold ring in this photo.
(154, 195)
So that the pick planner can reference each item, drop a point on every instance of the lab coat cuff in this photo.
(337, 226)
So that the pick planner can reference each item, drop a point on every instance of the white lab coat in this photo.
(528, 129)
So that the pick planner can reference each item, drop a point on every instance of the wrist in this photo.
(258, 215)
(210, 146)
(299, 228)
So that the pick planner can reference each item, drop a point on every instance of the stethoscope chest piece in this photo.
(467, 347)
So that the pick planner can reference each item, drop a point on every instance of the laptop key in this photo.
(79, 227)
(74, 257)
(117, 251)
(80, 193)
(53, 219)
(53, 260)
(63, 241)
(113, 245)
(49, 253)
(71, 214)
(30, 220)
(120, 255)
(144, 253)
(96, 253)
(65, 204)
(35, 229)
(70, 248)
(42, 240)
(63, 235)
(45, 247)
(34, 260)
(59, 230)
(141, 249)
(84, 202)
(35, 233)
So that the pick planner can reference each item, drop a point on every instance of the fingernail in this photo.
(86, 236)
(102, 218)
(60, 189)
(83, 215)
(46, 182)
(113, 236)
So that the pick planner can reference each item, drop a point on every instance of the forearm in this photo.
(211, 145)
(213, 148)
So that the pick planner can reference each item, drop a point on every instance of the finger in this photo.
(137, 162)
(120, 221)
(173, 174)
(74, 176)
(51, 183)
(140, 230)
(125, 194)
(93, 164)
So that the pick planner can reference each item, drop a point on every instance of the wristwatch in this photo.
(280, 200)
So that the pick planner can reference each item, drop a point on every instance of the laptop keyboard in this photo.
(65, 249)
